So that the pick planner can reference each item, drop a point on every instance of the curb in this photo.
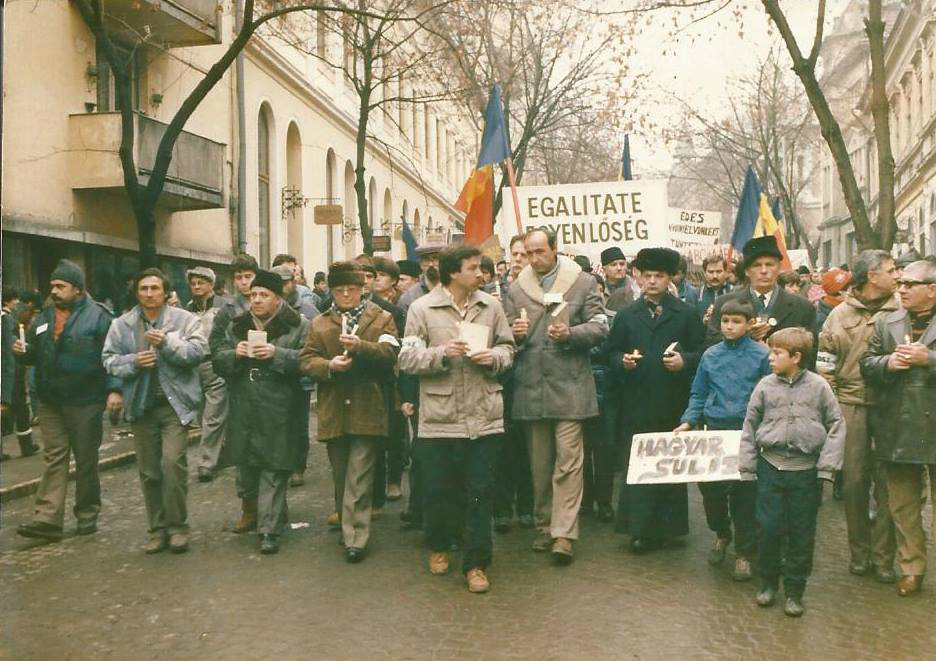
(30, 487)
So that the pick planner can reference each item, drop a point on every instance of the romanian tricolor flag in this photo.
(767, 225)
(476, 200)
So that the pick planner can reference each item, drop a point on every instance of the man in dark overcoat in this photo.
(655, 345)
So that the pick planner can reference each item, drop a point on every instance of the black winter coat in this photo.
(266, 397)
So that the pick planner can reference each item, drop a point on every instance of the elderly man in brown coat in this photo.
(351, 352)
(557, 317)
(457, 341)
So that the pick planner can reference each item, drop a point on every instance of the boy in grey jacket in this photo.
(793, 435)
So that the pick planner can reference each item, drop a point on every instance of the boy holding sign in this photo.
(793, 435)
(723, 383)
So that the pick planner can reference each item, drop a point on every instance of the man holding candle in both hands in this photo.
(350, 351)
(557, 317)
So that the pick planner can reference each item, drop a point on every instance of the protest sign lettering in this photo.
(692, 456)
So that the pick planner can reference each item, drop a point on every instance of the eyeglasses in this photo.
(344, 291)
(912, 283)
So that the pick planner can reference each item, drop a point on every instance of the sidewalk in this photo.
(19, 476)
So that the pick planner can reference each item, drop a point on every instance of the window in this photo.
(106, 84)
(427, 142)
(263, 186)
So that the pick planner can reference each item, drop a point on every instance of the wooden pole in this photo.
(512, 178)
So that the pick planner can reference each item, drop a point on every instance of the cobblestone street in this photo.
(100, 597)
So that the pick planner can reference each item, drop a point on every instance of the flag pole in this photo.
(512, 178)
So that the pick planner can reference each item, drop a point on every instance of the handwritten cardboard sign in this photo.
(692, 456)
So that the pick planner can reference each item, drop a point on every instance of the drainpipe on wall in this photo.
(241, 140)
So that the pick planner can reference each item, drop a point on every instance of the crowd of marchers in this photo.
(510, 392)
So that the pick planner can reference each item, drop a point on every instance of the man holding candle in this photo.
(64, 343)
(557, 316)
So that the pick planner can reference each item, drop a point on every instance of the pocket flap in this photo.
(436, 387)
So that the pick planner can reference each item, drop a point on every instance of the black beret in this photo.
(409, 268)
(658, 259)
(268, 280)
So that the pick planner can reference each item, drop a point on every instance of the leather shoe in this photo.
(767, 596)
(477, 581)
(88, 527)
(793, 607)
(885, 575)
(605, 513)
(543, 542)
(502, 524)
(205, 474)
(719, 549)
(742, 569)
(354, 554)
(562, 551)
(859, 568)
(333, 520)
(645, 544)
(40, 530)
(297, 479)
(438, 563)
(157, 543)
(908, 585)
(178, 542)
(394, 492)
(269, 544)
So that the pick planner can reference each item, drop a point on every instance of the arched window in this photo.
(263, 184)
(295, 225)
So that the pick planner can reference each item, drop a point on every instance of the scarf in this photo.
(352, 316)
(875, 304)
(261, 324)
(919, 321)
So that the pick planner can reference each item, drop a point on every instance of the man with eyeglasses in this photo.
(843, 339)
(900, 365)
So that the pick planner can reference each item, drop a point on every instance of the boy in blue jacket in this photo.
(723, 383)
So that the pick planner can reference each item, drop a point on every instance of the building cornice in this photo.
(264, 55)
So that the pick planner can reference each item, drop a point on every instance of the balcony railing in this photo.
(195, 176)
(170, 22)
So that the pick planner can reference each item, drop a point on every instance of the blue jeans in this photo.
(787, 504)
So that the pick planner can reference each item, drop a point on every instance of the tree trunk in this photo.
(360, 183)
(880, 112)
(831, 131)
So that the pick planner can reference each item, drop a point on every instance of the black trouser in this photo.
(600, 460)
(459, 483)
(395, 448)
(512, 480)
(787, 504)
(732, 502)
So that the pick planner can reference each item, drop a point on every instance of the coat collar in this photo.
(285, 320)
(477, 302)
(669, 310)
(898, 323)
(568, 274)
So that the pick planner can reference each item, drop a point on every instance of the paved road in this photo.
(100, 597)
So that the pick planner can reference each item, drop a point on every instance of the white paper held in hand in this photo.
(255, 338)
(474, 335)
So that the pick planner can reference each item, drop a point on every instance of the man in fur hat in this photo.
(351, 351)
(655, 345)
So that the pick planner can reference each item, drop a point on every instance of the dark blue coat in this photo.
(70, 371)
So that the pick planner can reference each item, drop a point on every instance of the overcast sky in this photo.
(696, 62)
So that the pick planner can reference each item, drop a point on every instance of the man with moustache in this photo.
(64, 342)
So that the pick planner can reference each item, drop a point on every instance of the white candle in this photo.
(22, 333)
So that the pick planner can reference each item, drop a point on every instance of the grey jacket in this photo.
(457, 398)
(176, 363)
(801, 417)
(553, 381)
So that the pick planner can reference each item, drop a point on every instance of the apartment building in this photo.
(63, 193)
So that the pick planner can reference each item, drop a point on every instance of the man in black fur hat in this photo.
(655, 345)
(775, 307)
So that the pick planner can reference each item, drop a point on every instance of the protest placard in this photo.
(690, 228)
(692, 456)
(587, 218)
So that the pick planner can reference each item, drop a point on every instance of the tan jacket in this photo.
(457, 398)
(352, 402)
(843, 339)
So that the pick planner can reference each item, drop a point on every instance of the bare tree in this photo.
(143, 198)
(555, 63)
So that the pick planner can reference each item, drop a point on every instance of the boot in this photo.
(248, 520)
(27, 446)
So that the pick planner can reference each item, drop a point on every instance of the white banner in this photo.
(691, 456)
(689, 228)
(587, 218)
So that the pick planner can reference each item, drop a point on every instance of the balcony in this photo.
(169, 22)
(195, 176)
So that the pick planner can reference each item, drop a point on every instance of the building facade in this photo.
(63, 192)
